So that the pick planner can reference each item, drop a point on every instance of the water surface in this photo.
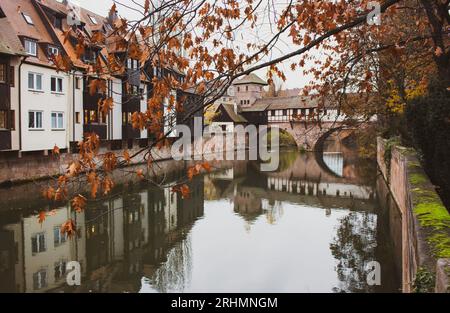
(309, 227)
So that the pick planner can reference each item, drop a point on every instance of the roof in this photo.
(9, 42)
(256, 107)
(295, 102)
(235, 117)
(14, 11)
(251, 79)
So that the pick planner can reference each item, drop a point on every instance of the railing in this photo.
(5, 140)
(90, 102)
(5, 91)
(128, 132)
(99, 129)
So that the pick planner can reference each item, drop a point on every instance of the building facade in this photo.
(43, 107)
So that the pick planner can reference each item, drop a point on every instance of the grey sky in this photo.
(294, 79)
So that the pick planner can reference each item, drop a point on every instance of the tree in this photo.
(203, 40)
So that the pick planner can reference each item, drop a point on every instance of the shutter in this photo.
(11, 76)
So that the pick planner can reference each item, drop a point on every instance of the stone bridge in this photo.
(311, 135)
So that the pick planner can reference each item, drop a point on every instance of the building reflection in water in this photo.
(140, 238)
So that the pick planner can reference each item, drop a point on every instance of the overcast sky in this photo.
(294, 79)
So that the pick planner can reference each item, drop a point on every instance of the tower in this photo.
(248, 90)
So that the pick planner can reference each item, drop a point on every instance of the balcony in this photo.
(5, 91)
(128, 132)
(5, 140)
(90, 102)
(131, 104)
(99, 129)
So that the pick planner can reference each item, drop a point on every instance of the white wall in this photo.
(47, 102)
(15, 134)
(117, 109)
(45, 260)
(144, 133)
(78, 103)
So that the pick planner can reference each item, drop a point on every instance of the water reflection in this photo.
(298, 229)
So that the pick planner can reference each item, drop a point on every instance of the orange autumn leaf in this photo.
(79, 203)
(126, 156)
(140, 174)
(207, 166)
(49, 193)
(69, 228)
(56, 150)
(41, 217)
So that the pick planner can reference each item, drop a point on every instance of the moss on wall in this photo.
(424, 281)
(430, 211)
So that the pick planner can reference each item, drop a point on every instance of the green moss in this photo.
(416, 179)
(432, 215)
(389, 145)
(424, 282)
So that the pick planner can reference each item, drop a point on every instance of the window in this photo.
(77, 82)
(132, 64)
(58, 238)
(30, 47)
(28, 19)
(53, 51)
(246, 88)
(35, 120)
(56, 84)
(35, 81)
(3, 73)
(57, 120)
(58, 22)
(77, 117)
(93, 20)
(40, 280)
(38, 243)
(3, 119)
(94, 117)
(60, 269)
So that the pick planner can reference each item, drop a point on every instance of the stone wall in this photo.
(425, 220)
(37, 166)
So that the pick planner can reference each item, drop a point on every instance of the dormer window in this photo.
(30, 47)
(58, 22)
(28, 19)
(93, 20)
(132, 64)
(52, 50)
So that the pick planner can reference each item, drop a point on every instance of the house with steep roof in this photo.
(40, 93)
(46, 108)
(250, 107)
(11, 52)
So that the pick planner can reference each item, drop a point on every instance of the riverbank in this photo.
(425, 220)
(40, 166)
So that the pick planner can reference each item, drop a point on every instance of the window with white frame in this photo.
(132, 64)
(27, 19)
(30, 47)
(35, 81)
(57, 120)
(35, 119)
(52, 50)
(58, 238)
(56, 84)
(93, 20)
(40, 279)
(60, 269)
(38, 243)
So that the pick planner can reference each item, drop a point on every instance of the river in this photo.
(311, 226)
